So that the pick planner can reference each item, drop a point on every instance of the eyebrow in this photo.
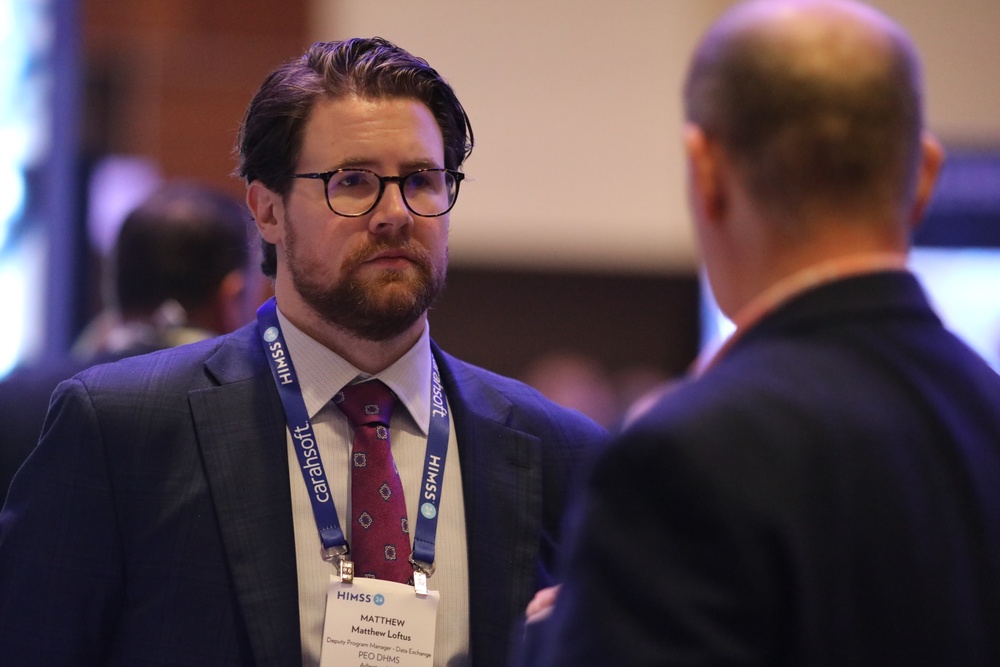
(407, 167)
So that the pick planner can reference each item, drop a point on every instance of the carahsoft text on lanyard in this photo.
(331, 535)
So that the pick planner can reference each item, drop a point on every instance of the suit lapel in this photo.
(501, 480)
(241, 430)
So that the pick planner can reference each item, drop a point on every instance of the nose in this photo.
(390, 213)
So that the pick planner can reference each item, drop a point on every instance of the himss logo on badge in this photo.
(366, 598)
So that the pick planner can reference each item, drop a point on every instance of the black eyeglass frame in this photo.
(326, 176)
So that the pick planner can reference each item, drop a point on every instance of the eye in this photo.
(352, 179)
(418, 181)
(431, 180)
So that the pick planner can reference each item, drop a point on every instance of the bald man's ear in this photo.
(268, 211)
(705, 175)
(931, 160)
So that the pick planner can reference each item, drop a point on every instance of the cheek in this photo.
(435, 237)
(320, 249)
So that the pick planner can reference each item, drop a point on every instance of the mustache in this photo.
(412, 250)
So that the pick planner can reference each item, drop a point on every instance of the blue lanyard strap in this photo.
(433, 478)
(300, 426)
(311, 464)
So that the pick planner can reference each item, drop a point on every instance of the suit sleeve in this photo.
(61, 567)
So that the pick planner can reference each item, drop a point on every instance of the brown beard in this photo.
(375, 308)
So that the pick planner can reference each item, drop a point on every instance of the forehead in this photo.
(363, 130)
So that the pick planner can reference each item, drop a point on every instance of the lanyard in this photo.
(300, 426)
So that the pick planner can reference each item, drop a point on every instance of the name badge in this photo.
(371, 622)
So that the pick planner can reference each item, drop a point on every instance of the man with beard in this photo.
(206, 505)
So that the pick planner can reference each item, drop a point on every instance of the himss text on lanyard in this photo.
(300, 427)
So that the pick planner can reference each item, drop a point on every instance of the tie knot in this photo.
(366, 403)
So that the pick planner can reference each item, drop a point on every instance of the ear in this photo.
(268, 210)
(224, 311)
(705, 175)
(931, 159)
(232, 300)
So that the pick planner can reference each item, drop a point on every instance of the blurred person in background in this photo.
(179, 273)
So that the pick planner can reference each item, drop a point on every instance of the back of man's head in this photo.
(818, 102)
(179, 245)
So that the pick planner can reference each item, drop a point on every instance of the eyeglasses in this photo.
(355, 192)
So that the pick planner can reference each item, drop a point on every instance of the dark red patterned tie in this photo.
(380, 540)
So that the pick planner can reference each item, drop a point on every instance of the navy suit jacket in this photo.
(152, 524)
(828, 494)
(24, 401)
(25, 394)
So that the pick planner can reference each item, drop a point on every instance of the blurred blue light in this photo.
(26, 40)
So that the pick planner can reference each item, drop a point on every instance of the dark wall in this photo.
(505, 319)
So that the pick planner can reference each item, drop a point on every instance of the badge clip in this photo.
(345, 567)
(420, 573)
(346, 571)
(420, 582)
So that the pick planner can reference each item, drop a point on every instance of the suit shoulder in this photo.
(530, 409)
(177, 367)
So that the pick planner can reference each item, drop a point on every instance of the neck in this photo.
(834, 243)
(765, 259)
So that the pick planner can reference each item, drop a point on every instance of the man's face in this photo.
(373, 276)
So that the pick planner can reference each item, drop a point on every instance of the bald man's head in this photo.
(817, 101)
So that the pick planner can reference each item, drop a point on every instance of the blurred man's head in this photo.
(818, 102)
(807, 114)
(186, 245)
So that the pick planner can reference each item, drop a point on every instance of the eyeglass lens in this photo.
(429, 192)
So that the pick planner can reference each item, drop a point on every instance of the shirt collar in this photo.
(322, 373)
(791, 286)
